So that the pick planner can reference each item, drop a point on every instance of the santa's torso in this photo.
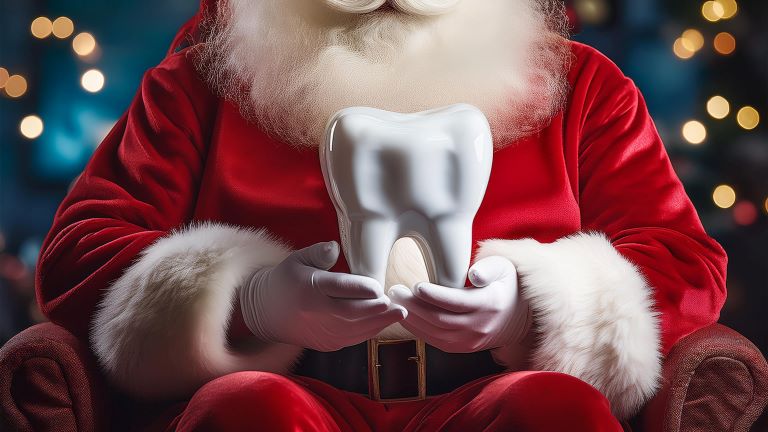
(251, 179)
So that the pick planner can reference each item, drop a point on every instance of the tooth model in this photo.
(419, 175)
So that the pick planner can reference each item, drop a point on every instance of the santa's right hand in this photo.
(299, 302)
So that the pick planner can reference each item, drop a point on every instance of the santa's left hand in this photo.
(487, 315)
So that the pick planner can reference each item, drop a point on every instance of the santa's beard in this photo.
(291, 64)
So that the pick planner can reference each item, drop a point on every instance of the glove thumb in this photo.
(322, 256)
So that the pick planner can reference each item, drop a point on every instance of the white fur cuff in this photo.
(161, 328)
(593, 311)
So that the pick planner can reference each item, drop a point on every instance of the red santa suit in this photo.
(185, 198)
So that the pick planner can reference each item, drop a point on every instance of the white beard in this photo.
(291, 64)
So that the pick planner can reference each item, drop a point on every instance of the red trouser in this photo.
(519, 401)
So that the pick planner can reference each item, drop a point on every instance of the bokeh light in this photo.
(4, 75)
(745, 213)
(765, 205)
(718, 107)
(724, 196)
(41, 27)
(93, 80)
(692, 40)
(680, 49)
(730, 7)
(694, 132)
(84, 44)
(712, 11)
(63, 27)
(725, 43)
(31, 126)
(592, 11)
(16, 86)
(748, 118)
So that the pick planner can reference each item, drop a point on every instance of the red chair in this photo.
(713, 380)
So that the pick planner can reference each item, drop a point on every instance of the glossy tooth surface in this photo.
(420, 175)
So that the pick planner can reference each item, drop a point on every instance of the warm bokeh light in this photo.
(724, 196)
(680, 50)
(16, 86)
(694, 132)
(730, 7)
(712, 11)
(4, 75)
(692, 40)
(725, 43)
(592, 11)
(41, 27)
(718, 107)
(748, 118)
(745, 213)
(93, 80)
(63, 27)
(765, 205)
(31, 126)
(84, 44)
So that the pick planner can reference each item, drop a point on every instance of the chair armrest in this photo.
(713, 380)
(49, 381)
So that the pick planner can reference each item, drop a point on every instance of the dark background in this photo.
(639, 35)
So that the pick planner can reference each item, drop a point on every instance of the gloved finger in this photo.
(322, 256)
(457, 300)
(401, 295)
(325, 337)
(367, 328)
(347, 286)
(489, 270)
(438, 317)
(352, 310)
(435, 336)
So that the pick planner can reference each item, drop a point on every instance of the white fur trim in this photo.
(161, 328)
(593, 312)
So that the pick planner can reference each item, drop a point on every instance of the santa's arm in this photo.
(609, 301)
(120, 240)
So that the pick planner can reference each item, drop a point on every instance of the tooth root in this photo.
(368, 247)
(449, 250)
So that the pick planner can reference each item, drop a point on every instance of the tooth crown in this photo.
(421, 175)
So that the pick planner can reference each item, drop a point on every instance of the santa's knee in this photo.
(541, 401)
(248, 401)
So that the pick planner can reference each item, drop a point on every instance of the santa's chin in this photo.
(291, 64)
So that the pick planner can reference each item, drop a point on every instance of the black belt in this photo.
(396, 370)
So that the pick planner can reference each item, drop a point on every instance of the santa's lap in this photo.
(519, 401)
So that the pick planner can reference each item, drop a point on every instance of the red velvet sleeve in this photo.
(140, 183)
(629, 190)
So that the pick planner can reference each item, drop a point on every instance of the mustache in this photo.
(412, 7)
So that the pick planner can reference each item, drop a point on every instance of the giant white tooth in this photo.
(420, 175)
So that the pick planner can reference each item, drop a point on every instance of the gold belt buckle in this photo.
(399, 362)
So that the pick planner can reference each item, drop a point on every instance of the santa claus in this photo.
(198, 249)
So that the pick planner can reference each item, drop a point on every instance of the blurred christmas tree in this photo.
(703, 68)
(67, 72)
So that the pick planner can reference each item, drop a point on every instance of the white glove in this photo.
(299, 302)
(488, 315)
